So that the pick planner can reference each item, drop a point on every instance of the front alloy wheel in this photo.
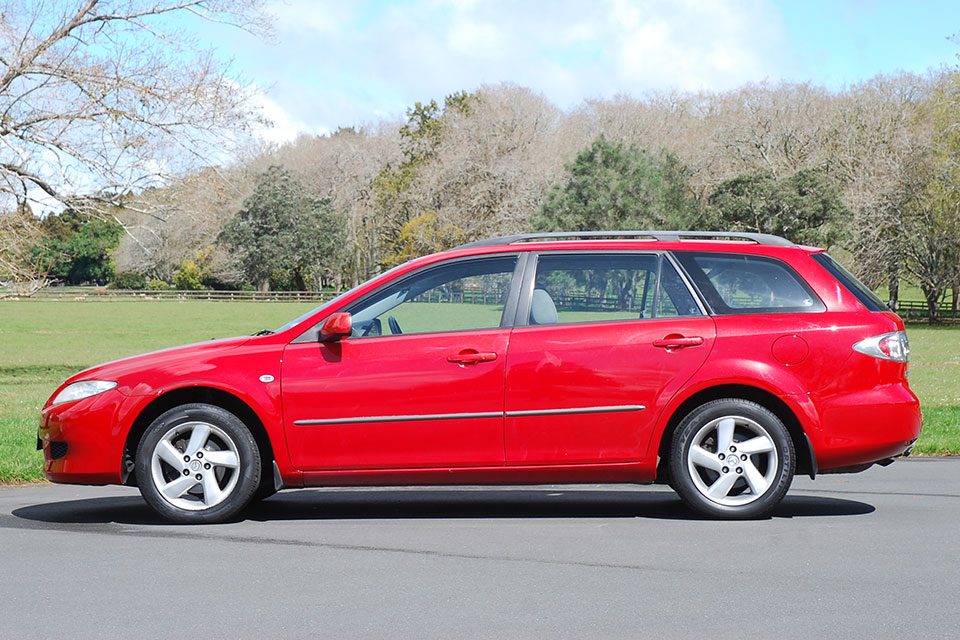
(198, 463)
(732, 458)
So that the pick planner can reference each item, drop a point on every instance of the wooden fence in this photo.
(87, 293)
(913, 310)
(908, 309)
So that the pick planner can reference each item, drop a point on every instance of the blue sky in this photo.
(345, 63)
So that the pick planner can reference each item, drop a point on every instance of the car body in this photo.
(610, 357)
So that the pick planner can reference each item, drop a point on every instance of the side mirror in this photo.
(336, 327)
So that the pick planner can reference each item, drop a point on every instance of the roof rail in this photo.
(662, 236)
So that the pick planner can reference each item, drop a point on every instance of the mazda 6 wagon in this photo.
(720, 363)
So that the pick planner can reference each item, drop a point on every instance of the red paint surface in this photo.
(854, 409)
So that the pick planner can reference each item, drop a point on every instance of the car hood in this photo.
(117, 370)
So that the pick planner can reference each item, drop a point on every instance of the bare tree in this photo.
(495, 163)
(23, 272)
(111, 97)
(182, 221)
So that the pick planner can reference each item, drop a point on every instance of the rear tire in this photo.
(732, 459)
(198, 464)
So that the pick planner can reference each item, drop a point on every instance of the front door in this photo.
(419, 384)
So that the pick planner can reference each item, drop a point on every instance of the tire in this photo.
(701, 471)
(198, 464)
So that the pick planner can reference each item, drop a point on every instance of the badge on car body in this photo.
(266, 378)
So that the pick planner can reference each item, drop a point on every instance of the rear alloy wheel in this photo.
(198, 464)
(732, 459)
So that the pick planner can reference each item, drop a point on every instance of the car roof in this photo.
(725, 241)
(649, 235)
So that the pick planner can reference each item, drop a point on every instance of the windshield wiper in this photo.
(264, 332)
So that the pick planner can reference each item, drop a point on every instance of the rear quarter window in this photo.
(850, 282)
(735, 283)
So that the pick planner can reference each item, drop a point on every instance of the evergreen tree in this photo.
(616, 187)
(285, 237)
(805, 207)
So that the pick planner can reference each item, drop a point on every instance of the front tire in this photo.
(198, 464)
(732, 459)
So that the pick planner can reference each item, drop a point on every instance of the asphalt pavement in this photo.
(870, 555)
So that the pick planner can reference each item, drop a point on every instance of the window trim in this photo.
(506, 319)
(530, 277)
(711, 297)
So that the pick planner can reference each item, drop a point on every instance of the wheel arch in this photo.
(187, 395)
(806, 459)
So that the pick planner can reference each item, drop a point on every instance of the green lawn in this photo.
(41, 343)
(935, 378)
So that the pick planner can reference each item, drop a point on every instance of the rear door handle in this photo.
(471, 356)
(677, 342)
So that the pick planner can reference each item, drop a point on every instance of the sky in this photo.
(344, 63)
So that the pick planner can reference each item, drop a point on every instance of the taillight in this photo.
(887, 346)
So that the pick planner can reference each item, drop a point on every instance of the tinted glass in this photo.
(739, 283)
(571, 288)
(850, 282)
(460, 296)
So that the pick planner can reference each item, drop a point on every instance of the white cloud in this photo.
(340, 64)
(283, 127)
(475, 39)
(690, 45)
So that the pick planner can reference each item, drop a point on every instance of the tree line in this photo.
(870, 172)
(147, 144)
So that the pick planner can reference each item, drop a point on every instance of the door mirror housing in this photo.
(336, 327)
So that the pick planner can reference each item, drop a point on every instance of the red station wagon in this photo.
(721, 363)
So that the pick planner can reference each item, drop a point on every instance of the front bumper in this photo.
(83, 441)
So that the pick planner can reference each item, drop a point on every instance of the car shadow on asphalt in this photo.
(365, 504)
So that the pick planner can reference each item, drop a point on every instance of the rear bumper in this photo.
(867, 426)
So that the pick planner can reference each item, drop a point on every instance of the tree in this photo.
(101, 99)
(283, 233)
(182, 222)
(420, 137)
(869, 143)
(616, 187)
(79, 249)
(422, 236)
(805, 207)
(927, 202)
(495, 163)
(188, 276)
(23, 269)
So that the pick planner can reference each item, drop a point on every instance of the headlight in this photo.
(83, 389)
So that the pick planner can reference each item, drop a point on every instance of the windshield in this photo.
(332, 301)
(300, 319)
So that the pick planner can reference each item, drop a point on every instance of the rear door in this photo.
(608, 339)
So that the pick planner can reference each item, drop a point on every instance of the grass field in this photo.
(41, 343)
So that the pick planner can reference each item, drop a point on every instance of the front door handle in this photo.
(675, 341)
(472, 356)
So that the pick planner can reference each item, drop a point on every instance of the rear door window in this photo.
(735, 283)
(574, 288)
